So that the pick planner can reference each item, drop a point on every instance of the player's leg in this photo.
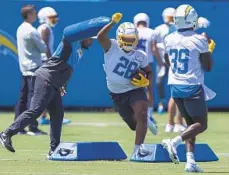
(196, 108)
(160, 78)
(43, 93)
(44, 120)
(172, 144)
(125, 111)
(150, 119)
(179, 122)
(56, 111)
(33, 127)
(171, 111)
(21, 105)
(139, 103)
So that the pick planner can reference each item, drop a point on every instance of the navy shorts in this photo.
(123, 103)
(192, 107)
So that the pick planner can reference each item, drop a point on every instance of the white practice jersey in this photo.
(119, 67)
(51, 39)
(161, 32)
(146, 36)
(184, 49)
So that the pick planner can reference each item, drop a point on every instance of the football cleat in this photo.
(171, 148)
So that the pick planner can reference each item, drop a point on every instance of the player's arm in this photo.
(143, 81)
(155, 50)
(206, 61)
(166, 57)
(45, 34)
(156, 53)
(35, 36)
(206, 55)
(102, 36)
(149, 75)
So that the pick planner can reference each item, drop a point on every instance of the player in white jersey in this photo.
(48, 19)
(121, 61)
(145, 43)
(188, 54)
(161, 32)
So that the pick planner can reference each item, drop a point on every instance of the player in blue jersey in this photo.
(51, 77)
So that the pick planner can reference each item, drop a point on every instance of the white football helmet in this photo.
(168, 15)
(186, 17)
(48, 15)
(127, 36)
(141, 17)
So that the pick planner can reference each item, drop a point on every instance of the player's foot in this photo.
(66, 121)
(169, 128)
(178, 128)
(36, 132)
(49, 154)
(171, 148)
(192, 167)
(152, 125)
(6, 142)
(44, 121)
(160, 109)
(22, 132)
(140, 153)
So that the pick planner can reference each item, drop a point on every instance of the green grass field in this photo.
(30, 156)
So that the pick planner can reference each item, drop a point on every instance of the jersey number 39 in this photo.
(179, 57)
(125, 68)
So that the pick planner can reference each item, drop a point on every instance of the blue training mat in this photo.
(156, 153)
(85, 29)
(88, 151)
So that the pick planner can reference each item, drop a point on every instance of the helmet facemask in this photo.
(53, 20)
(127, 42)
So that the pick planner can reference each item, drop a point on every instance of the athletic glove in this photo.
(142, 82)
(211, 46)
(116, 17)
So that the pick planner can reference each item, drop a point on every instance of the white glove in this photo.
(203, 22)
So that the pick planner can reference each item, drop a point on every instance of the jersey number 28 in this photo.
(125, 68)
(179, 56)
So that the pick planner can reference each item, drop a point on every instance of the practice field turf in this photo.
(30, 156)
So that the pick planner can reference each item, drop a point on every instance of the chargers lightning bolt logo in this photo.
(8, 45)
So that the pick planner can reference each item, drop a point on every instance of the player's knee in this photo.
(202, 127)
(142, 115)
(34, 113)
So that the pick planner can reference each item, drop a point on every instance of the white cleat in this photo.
(178, 128)
(169, 128)
(152, 125)
(171, 148)
(192, 168)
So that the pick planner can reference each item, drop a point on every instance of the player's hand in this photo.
(143, 82)
(203, 22)
(211, 46)
(62, 91)
(116, 17)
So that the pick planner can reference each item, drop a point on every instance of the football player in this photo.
(145, 42)
(51, 77)
(121, 61)
(48, 18)
(188, 54)
(162, 31)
